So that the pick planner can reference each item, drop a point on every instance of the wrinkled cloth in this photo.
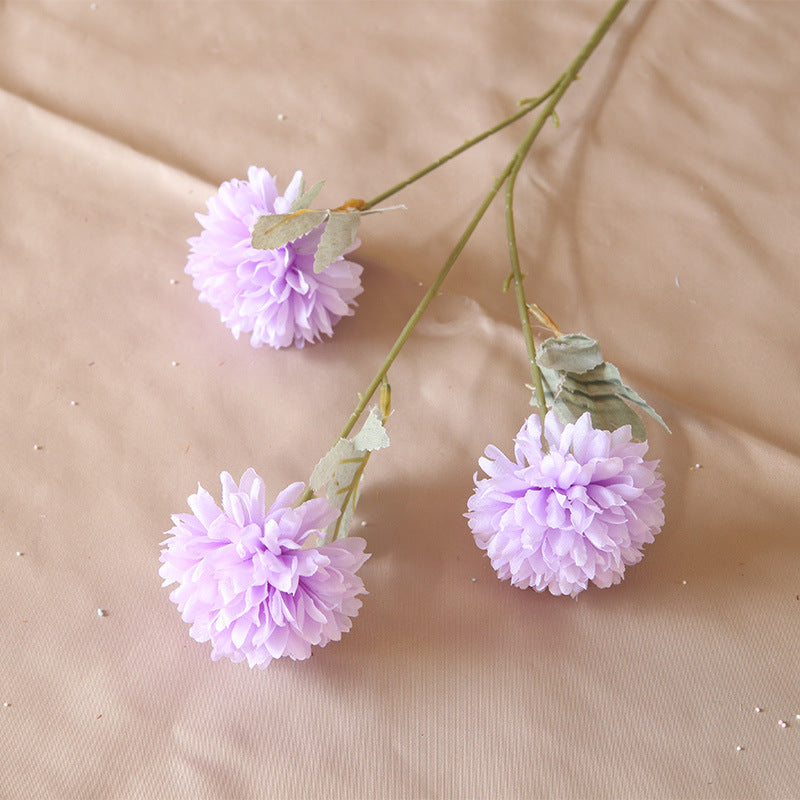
(659, 218)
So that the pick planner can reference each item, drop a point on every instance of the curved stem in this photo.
(522, 305)
(433, 290)
(569, 76)
(552, 96)
(512, 169)
(529, 105)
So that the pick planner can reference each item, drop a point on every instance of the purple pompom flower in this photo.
(272, 294)
(579, 513)
(252, 582)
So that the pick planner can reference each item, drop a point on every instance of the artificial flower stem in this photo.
(352, 491)
(554, 96)
(433, 290)
(522, 305)
(529, 105)
(415, 317)
(512, 167)
(569, 76)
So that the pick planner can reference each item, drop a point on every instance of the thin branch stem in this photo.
(528, 105)
(512, 169)
(433, 290)
(569, 76)
(522, 305)
(552, 97)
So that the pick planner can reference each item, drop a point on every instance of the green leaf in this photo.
(577, 380)
(342, 468)
(337, 238)
(601, 392)
(276, 230)
(573, 352)
(306, 198)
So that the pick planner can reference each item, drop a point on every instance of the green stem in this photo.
(433, 290)
(415, 317)
(552, 96)
(512, 169)
(529, 105)
(522, 305)
(350, 497)
(569, 76)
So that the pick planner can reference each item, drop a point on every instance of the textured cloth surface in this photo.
(660, 218)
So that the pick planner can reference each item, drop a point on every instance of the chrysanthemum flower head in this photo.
(251, 582)
(581, 512)
(272, 294)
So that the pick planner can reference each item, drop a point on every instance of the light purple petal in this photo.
(245, 582)
(579, 513)
(274, 295)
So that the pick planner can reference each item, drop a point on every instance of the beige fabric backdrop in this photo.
(661, 218)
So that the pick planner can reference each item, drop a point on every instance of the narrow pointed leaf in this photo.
(372, 435)
(601, 392)
(276, 230)
(306, 198)
(342, 468)
(337, 238)
(327, 466)
(632, 396)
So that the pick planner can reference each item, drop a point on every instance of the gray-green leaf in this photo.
(276, 230)
(337, 238)
(573, 352)
(306, 198)
(573, 387)
(372, 435)
(342, 468)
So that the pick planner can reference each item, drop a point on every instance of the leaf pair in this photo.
(272, 231)
(277, 230)
(342, 468)
(576, 379)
